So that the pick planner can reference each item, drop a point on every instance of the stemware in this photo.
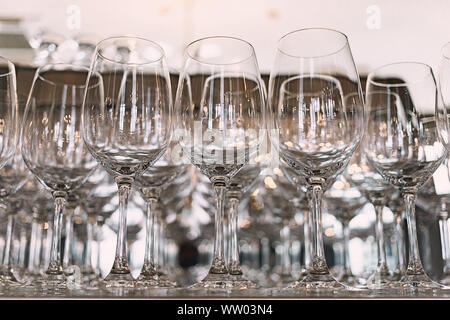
(378, 191)
(402, 143)
(9, 117)
(127, 123)
(220, 109)
(151, 183)
(52, 145)
(316, 101)
(344, 200)
(442, 107)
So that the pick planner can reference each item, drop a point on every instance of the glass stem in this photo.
(265, 254)
(68, 243)
(414, 263)
(156, 243)
(120, 265)
(149, 257)
(38, 250)
(234, 265)
(307, 240)
(346, 231)
(99, 252)
(218, 265)
(400, 243)
(285, 235)
(379, 233)
(445, 241)
(161, 245)
(318, 262)
(33, 244)
(54, 267)
(7, 261)
(90, 240)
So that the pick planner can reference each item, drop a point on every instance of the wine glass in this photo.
(9, 117)
(402, 142)
(443, 106)
(344, 200)
(220, 109)
(52, 145)
(127, 123)
(319, 121)
(151, 183)
(378, 191)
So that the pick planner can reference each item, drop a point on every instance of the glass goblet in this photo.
(402, 143)
(52, 145)
(127, 123)
(318, 127)
(220, 109)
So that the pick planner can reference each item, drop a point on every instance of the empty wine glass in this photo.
(9, 117)
(443, 106)
(319, 120)
(127, 123)
(378, 191)
(220, 109)
(402, 142)
(344, 200)
(52, 145)
(151, 183)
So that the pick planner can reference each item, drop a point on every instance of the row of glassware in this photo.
(313, 119)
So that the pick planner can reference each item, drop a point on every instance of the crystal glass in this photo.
(9, 118)
(151, 183)
(220, 109)
(343, 200)
(443, 106)
(127, 123)
(378, 191)
(52, 145)
(402, 142)
(316, 104)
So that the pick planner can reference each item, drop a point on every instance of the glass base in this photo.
(213, 281)
(379, 281)
(417, 282)
(118, 281)
(321, 282)
(239, 282)
(9, 279)
(445, 279)
(351, 280)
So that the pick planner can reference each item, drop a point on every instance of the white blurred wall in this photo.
(380, 31)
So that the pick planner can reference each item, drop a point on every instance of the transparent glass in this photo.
(402, 143)
(127, 123)
(317, 115)
(344, 200)
(378, 191)
(52, 145)
(9, 118)
(151, 183)
(442, 107)
(220, 117)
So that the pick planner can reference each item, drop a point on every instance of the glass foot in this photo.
(351, 280)
(52, 281)
(239, 282)
(420, 282)
(316, 282)
(379, 281)
(445, 280)
(118, 280)
(213, 281)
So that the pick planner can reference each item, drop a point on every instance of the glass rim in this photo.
(186, 50)
(153, 43)
(313, 29)
(64, 66)
(446, 47)
(396, 85)
(10, 66)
